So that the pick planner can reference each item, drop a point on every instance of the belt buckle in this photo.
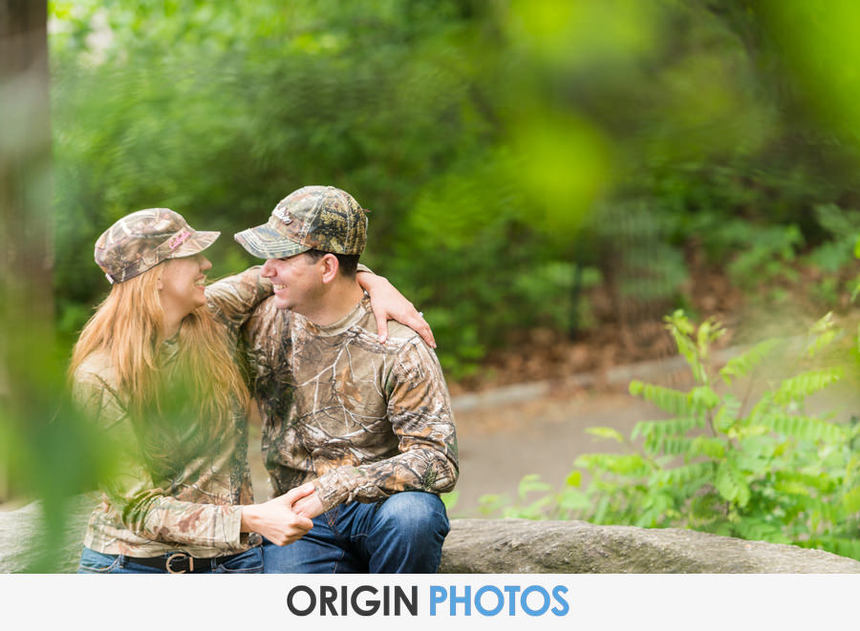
(179, 555)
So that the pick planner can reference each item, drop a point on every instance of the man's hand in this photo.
(276, 520)
(390, 304)
(309, 504)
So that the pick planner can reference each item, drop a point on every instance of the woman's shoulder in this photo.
(95, 378)
(94, 386)
(96, 367)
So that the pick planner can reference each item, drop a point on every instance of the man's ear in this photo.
(330, 267)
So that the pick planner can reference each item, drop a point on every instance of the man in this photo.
(367, 423)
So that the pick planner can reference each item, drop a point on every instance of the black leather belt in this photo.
(182, 563)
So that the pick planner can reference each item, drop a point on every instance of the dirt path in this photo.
(498, 446)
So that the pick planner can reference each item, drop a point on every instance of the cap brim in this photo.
(265, 243)
(195, 244)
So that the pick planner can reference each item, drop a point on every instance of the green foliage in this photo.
(48, 449)
(768, 256)
(492, 171)
(450, 500)
(219, 109)
(758, 255)
(744, 364)
(761, 469)
(835, 258)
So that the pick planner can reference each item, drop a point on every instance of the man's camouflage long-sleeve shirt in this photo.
(185, 495)
(361, 419)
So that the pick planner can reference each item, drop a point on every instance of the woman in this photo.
(154, 365)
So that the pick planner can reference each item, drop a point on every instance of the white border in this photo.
(678, 601)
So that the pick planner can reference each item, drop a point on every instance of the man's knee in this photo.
(414, 512)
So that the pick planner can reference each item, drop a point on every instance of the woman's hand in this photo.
(308, 505)
(275, 519)
(389, 304)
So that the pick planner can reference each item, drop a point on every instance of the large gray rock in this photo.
(509, 546)
(22, 537)
(561, 547)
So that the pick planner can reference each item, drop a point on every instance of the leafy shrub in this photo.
(755, 468)
(835, 259)
(482, 136)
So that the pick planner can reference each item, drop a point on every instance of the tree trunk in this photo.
(26, 312)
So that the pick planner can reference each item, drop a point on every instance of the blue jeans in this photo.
(402, 534)
(92, 562)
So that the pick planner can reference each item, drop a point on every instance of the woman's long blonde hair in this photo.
(127, 327)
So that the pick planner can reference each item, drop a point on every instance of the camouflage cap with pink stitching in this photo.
(145, 238)
(311, 218)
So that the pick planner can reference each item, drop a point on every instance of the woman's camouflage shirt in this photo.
(160, 501)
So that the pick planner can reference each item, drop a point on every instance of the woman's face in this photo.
(182, 283)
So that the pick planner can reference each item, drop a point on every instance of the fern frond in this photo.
(726, 416)
(761, 408)
(699, 400)
(714, 448)
(744, 364)
(709, 331)
(791, 487)
(574, 478)
(656, 511)
(672, 401)
(825, 512)
(605, 432)
(850, 502)
(694, 345)
(600, 510)
(805, 384)
(690, 353)
(531, 483)
(700, 485)
(686, 474)
(680, 322)
(572, 500)
(822, 334)
(803, 427)
(760, 530)
(793, 479)
(841, 545)
(668, 445)
(623, 464)
(702, 399)
(668, 427)
(731, 484)
(703, 508)
(821, 342)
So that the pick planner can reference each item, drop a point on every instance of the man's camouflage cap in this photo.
(312, 218)
(145, 238)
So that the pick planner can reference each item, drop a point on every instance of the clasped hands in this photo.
(286, 518)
